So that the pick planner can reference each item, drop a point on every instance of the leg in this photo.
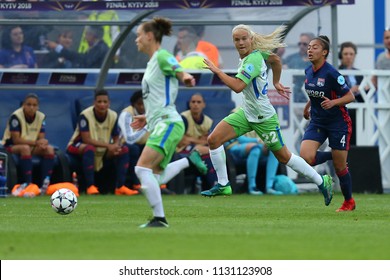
(252, 164)
(341, 168)
(222, 133)
(24, 151)
(147, 163)
(47, 164)
(271, 169)
(122, 165)
(300, 166)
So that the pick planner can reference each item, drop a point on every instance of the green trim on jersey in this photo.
(269, 131)
(164, 139)
(168, 63)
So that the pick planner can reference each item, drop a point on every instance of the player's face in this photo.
(242, 42)
(141, 40)
(102, 103)
(315, 51)
(348, 56)
(30, 107)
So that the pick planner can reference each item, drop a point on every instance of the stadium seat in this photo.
(60, 120)
(9, 104)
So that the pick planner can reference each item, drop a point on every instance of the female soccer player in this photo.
(160, 86)
(329, 118)
(257, 113)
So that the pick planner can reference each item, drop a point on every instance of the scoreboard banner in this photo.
(162, 4)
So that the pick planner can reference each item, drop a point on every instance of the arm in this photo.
(329, 103)
(306, 110)
(124, 122)
(186, 78)
(233, 83)
(276, 67)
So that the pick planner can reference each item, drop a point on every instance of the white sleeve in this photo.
(129, 134)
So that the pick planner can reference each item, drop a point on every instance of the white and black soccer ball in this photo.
(63, 201)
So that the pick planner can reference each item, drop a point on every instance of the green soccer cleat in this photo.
(218, 189)
(155, 222)
(327, 189)
(196, 160)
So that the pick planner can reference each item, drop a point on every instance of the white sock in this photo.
(299, 165)
(173, 169)
(151, 188)
(218, 158)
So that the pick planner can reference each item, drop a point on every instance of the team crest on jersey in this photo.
(341, 80)
(320, 82)
(249, 68)
(83, 123)
(173, 62)
(14, 123)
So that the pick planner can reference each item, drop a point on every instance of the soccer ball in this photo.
(63, 201)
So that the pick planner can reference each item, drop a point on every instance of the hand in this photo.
(114, 149)
(282, 90)
(138, 122)
(327, 103)
(306, 113)
(50, 44)
(42, 143)
(210, 65)
(189, 80)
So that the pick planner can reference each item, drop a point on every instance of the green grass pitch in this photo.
(240, 227)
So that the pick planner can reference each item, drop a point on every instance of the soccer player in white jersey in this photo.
(160, 86)
(257, 112)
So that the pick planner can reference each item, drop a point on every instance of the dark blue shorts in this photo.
(339, 134)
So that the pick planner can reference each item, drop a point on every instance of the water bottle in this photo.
(3, 186)
(74, 179)
(45, 185)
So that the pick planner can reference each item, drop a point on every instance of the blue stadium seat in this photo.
(60, 119)
(8, 104)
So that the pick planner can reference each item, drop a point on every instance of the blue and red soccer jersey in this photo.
(333, 123)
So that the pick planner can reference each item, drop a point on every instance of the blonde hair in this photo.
(264, 42)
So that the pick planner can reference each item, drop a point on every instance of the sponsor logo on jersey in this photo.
(315, 93)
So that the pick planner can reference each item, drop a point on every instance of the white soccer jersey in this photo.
(160, 88)
(256, 104)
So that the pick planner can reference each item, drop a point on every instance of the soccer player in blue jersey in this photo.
(329, 118)
(160, 85)
(257, 112)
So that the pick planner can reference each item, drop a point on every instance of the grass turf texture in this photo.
(237, 227)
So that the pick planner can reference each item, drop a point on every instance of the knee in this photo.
(89, 148)
(25, 150)
(308, 157)
(124, 150)
(50, 150)
(213, 141)
(255, 151)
